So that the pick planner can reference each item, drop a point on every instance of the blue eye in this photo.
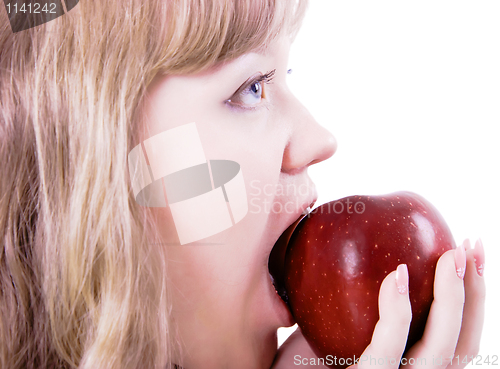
(256, 88)
(251, 93)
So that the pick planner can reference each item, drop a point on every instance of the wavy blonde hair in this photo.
(81, 283)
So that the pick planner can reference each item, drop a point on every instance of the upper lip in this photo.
(313, 202)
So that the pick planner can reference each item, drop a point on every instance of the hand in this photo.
(453, 330)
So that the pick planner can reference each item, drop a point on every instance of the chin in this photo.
(262, 353)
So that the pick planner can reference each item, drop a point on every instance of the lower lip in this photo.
(285, 317)
(284, 313)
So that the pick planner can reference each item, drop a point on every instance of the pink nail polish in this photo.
(402, 278)
(479, 257)
(460, 260)
(467, 244)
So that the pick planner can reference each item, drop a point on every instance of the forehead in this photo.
(276, 51)
(263, 59)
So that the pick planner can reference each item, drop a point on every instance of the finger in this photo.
(437, 346)
(473, 315)
(390, 334)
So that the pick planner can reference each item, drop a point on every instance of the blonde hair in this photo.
(81, 283)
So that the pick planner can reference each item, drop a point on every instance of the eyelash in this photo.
(263, 79)
(266, 78)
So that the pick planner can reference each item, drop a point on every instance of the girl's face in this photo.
(224, 304)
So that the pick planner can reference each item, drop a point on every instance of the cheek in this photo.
(256, 142)
(263, 167)
(164, 226)
(258, 149)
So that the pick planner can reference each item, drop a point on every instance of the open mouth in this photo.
(276, 263)
(280, 289)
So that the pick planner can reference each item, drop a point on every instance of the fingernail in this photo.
(479, 257)
(467, 244)
(402, 278)
(460, 260)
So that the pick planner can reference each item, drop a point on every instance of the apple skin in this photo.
(336, 261)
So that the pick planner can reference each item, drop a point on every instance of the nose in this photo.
(309, 143)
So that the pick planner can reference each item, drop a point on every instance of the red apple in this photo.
(338, 256)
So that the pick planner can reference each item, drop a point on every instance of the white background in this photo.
(411, 91)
